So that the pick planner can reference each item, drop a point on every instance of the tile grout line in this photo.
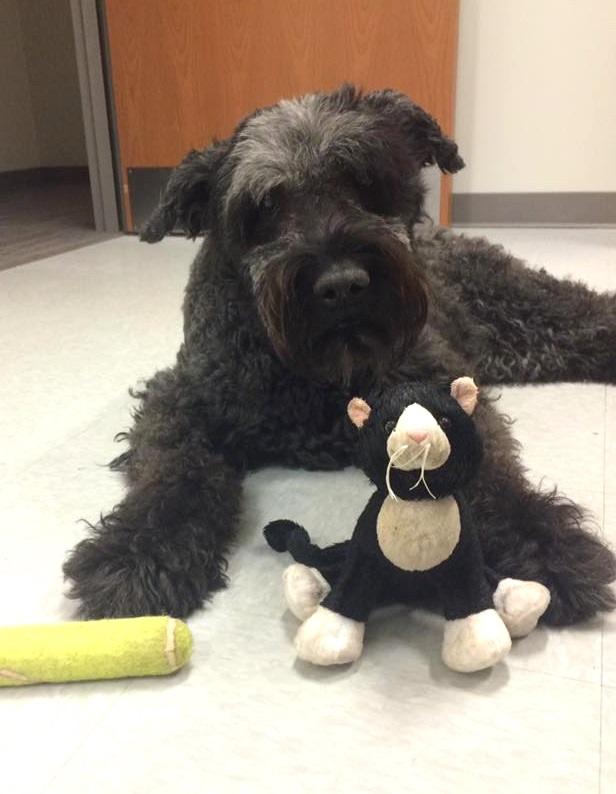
(605, 428)
(84, 738)
(558, 676)
(72, 436)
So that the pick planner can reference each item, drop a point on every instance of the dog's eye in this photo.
(444, 422)
(267, 208)
(372, 193)
(389, 426)
(260, 220)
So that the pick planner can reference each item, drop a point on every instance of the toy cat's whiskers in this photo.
(398, 453)
(392, 460)
(422, 474)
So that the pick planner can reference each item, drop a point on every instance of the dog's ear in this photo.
(428, 143)
(184, 201)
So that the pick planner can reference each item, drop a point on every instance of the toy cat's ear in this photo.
(358, 411)
(465, 392)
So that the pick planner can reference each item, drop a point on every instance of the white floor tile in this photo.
(247, 717)
(561, 428)
(78, 329)
(41, 728)
(40, 512)
(608, 740)
(609, 650)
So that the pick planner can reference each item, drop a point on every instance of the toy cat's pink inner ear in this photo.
(358, 411)
(465, 391)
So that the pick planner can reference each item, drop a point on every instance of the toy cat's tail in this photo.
(286, 535)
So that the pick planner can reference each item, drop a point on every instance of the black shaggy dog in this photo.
(312, 286)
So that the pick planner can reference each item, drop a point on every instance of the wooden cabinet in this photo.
(184, 71)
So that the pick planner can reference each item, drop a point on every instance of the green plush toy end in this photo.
(98, 649)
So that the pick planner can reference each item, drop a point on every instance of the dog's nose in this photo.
(418, 436)
(343, 283)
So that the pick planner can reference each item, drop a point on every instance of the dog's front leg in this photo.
(160, 551)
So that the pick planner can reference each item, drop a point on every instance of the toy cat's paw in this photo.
(329, 638)
(475, 642)
(520, 604)
(304, 589)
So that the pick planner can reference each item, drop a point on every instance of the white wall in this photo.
(40, 107)
(536, 96)
(18, 141)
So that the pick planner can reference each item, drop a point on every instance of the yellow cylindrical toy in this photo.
(89, 650)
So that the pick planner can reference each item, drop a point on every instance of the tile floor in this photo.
(43, 212)
(75, 331)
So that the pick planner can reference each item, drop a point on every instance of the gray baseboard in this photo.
(145, 186)
(534, 209)
(42, 175)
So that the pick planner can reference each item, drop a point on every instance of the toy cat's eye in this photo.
(445, 422)
(389, 426)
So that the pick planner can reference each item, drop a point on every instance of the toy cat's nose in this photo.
(417, 436)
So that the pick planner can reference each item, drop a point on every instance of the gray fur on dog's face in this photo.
(314, 200)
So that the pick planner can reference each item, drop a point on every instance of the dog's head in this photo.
(314, 200)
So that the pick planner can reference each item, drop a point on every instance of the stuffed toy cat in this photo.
(419, 446)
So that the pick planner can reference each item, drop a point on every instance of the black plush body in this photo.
(361, 576)
(313, 283)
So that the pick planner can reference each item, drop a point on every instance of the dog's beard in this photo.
(348, 353)
(358, 348)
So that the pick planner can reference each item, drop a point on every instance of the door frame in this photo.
(96, 116)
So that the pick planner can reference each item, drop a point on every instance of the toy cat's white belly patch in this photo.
(418, 535)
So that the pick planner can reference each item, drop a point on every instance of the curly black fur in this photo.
(264, 374)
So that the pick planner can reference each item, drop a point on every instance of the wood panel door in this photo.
(184, 71)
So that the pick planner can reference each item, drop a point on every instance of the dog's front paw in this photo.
(475, 642)
(112, 578)
(520, 604)
(304, 589)
(329, 638)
